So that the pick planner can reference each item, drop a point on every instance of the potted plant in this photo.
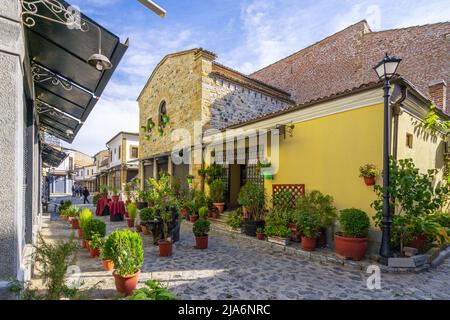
(253, 197)
(200, 229)
(165, 245)
(203, 213)
(142, 199)
(132, 213)
(190, 179)
(85, 216)
(369, 172)
(216, 189)
(73, 214)
(128, 256)
(214, 172)
(265, 168)
(260, 234)
(320, 205)
(351, 241)
(93, 226)
(107, 254)
(309, 223)
(95, 245)
(115, 194)
(234, 220)
(146, 215)
(276, 225)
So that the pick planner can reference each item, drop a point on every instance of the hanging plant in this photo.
(165, 119)
(143, 129)
(150, 124)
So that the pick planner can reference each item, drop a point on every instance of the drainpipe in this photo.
(400, 93)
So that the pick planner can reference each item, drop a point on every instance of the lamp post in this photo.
(385, 70)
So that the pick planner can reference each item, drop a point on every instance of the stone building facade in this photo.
(196, 94)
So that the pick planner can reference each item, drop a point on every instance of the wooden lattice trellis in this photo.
(287, 194)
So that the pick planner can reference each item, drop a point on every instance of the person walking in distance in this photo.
(86, 195)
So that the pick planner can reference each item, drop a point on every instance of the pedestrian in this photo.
(85, 195)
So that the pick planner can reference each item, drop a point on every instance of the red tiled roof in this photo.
(344, 60)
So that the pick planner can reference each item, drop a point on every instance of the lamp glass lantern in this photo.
(387, 67)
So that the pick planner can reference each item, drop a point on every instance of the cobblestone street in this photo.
(232, 269)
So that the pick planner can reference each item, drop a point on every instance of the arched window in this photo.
(162, 112)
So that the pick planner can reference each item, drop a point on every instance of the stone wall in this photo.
(176, 81)
(226, 103)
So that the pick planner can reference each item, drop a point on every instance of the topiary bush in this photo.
(354, 223)
(132, 211)
(147, 214)
(124, 247)
(201, 228)
(203, 213)
(85, 217)
(94, 226)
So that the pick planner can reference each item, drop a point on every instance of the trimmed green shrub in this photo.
(125, 249)
(147, 214)
(308, 222)
(203, 212)
(201, 228)
(216, 189)
(234, 219)
(85, 216)
(354, 223)
(94, 226)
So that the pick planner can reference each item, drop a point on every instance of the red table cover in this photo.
(101, 204)
(117, 208)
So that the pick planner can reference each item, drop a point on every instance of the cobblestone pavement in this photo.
(232, 269)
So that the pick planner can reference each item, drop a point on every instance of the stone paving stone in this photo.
(234, 268)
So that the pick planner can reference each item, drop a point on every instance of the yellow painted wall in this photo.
(326, 153)
(428, 149)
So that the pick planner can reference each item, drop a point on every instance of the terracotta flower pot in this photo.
(369, 181)
(115, 198)
(127, 284)
(220, 206)
(80, 233)
(75, 224)
(201, 242)
(165, 248)
(193, 218)
(350, 248)
(139, 228)
(308, 244)
(108, 265)
(94, 252)
(419, 241)
(87, 246)
(130, 223)
(260, 236)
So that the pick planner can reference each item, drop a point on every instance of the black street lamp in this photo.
(385, 70)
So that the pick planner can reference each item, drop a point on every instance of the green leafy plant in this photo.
(368, 171)
(320, 205)
(253, 197)
(147, 214)
(216, 190)
(434, 121)
(153, 291)
(214, 172)
(260, 230)
(85, 217)
(115, 192)
(201, 228)
(96, 198)
(203, 213)
(354, 223)
(132, 211)
(277, 220)
(234, 219)
(202, 172)
(72, 212)
(107, 248)
(96, 242)
(415, 197)
(94, 226)
(104, 188)
(125, 249)
(308, 222)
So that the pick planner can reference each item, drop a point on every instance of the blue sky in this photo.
(246, 35)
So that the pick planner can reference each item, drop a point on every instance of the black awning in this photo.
(52, 156)
(62, 77)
